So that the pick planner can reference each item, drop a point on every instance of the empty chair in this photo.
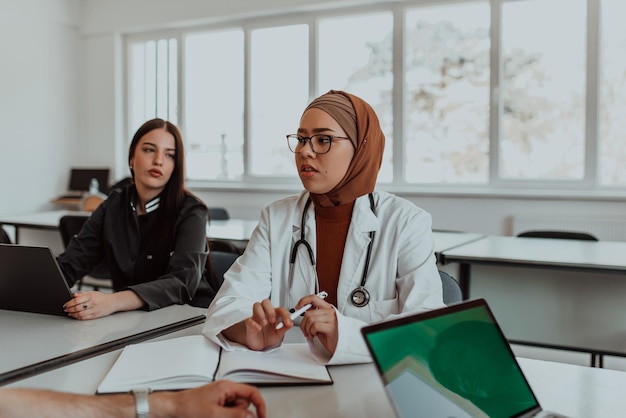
(451, 289)
(216, 214)
(69, 226)
(558, 234)
(226, 246)
(218, 263)
(4, 237)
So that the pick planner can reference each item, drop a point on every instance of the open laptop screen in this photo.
(452, 362)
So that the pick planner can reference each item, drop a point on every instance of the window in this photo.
(214, 105)
(446, 88)
(279, 92)
(360, 62)
(612, 95)
(480, 93)
(543, 90)
(152, 80)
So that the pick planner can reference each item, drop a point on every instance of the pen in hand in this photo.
(302, 310)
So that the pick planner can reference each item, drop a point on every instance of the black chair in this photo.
(451, 289)
(558, 234)
(218, 214)
(226, 246)
(4, 237)
(218, 263)
(70, 226)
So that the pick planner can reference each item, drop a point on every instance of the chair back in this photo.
(451, 289)
(558, 234)
(218, 263)
(220, 214)
(4, 237)
(70, 225)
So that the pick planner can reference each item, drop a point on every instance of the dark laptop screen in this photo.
(80, 178)
(453, 363)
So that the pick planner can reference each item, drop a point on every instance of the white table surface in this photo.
(605, 255)
(235, 229)
(29, 339)
(448, 240)
(574, 391)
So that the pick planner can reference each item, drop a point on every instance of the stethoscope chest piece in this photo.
(360, 297)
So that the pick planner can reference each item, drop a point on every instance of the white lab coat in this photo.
(402, 278)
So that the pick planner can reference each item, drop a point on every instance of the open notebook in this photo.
(191, 361)
(451, 363)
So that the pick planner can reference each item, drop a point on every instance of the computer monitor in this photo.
(80, 178)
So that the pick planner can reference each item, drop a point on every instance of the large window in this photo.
(485, 93)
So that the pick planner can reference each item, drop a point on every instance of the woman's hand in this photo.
(89, 305)
(92, 305)
(320, 321)
(259, 332)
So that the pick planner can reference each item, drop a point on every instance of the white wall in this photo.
(38, 100)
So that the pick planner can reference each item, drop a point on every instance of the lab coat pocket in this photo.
(381, 309)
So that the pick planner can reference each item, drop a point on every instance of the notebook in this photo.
(31, 280)
(142, 366)
(451, 362)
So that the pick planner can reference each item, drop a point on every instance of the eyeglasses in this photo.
(320, 144)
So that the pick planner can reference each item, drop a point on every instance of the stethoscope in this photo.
(359, 297)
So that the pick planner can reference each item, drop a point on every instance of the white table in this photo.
(32, 343)
(586, 275)
(445, 240)
(232, 229)
(575, 391)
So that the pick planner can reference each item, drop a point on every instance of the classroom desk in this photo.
(33, 343)
(448, 240)
(581, 272)
(576, 255)
(575, 391)
(47, 220)
(231, 229)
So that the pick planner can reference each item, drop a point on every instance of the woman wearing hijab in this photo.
(372, 252)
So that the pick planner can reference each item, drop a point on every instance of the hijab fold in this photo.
(361, 125)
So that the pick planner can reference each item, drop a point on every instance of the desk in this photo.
(573, 297)
(445, 240)
(575, 391)
(33, 343)
(48, 220)
(232, 229)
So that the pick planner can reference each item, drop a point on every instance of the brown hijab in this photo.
(359, 121)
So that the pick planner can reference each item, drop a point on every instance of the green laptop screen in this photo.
(454, 365)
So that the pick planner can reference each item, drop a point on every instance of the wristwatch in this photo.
(142, 407)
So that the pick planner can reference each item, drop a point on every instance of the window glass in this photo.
(543, 90)
(152, 80)
(447, 94)
(355, 55)
(279, 92)
(214, 105)
(612, 100)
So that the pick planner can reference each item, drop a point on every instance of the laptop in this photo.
(80, 179)
(31, 280)
(452, 362)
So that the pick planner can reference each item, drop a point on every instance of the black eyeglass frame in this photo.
(303, 140)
